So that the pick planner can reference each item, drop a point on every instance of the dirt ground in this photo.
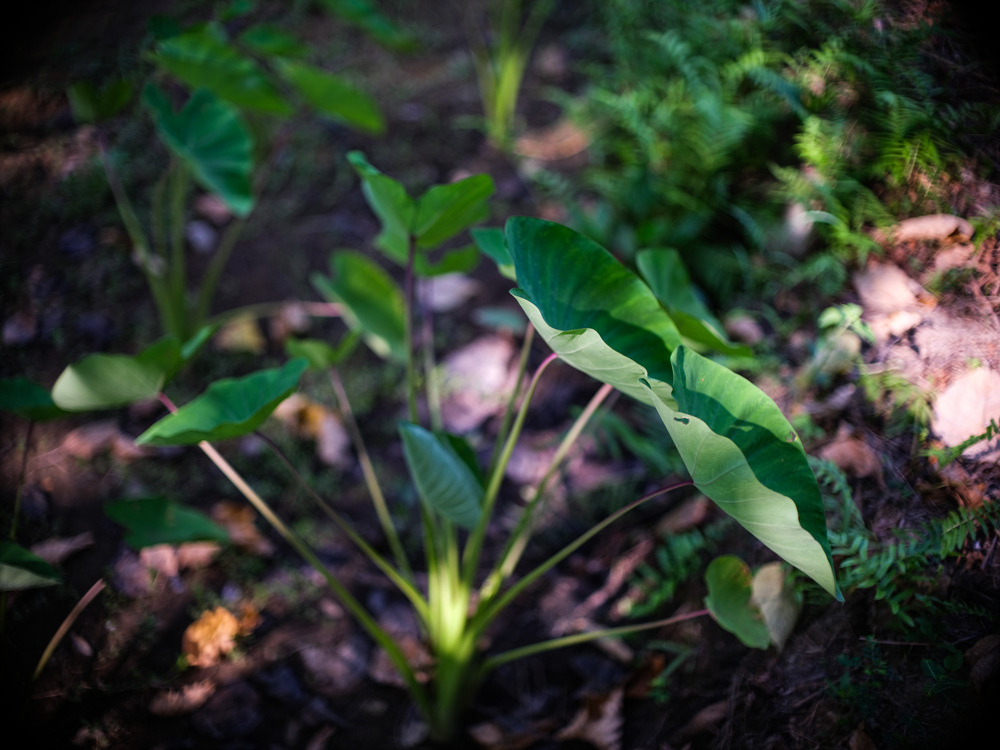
(303, 675)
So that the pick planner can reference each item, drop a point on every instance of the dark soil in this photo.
(850, 676)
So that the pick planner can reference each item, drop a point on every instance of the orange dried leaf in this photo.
(238, 521)
(210, 637)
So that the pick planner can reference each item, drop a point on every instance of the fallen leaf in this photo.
(446, 292)
(965, 408)
(242, 334)
(291, 319)
(212, 208)
(932, 227)
(560, 141)
(599, 722)
(98, 437)
(311, 420)
(706, 720)
(238, 521)
(57, 549)
(689, 514)
(184, 701)
(477, 382)
(162, 558)
(196, 555)
(885, 289)
(494, 736)
(852, 455)
(779, 601)
(209, 638)
(859, 739)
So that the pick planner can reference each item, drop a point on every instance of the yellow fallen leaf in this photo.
(210, 637)
(241, 334)
(238, 521)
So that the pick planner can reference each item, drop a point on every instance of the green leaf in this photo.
(236, 9)
(106, 381)
(491, 242)
(204, 60)
(27, 399)
(193, 345)
(740, 450)
(208, 135)
(390, 202)
(664, 271)
(366, 17)
(268, 40)
(92, 105)
(156, 520)
(319, 354)
(444, 481)
(445, 210)
(461, 260)
(729, 598)
(228, 408)
(22, 569)
(333, 96)
(373, 303)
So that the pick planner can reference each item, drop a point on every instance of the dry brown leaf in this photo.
(292, 318)
(779, 602)
(57, 549)
(311, 420)
(242, 334)
(690, 513)
(984, 660)
(162, 558)
(707, 720)
(446, 292)
(932, 227)
(859, 739)
(238, 521)
(965, 409)
(209, 638)
(493, 736)
(599, 722)
(885, 289)
(98, 437)
(184, 701)
(196, 555)
(852, 455)
(560, 141)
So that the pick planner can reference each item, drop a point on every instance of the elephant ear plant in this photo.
(595, 315)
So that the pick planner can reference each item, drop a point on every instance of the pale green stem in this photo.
(474, 545)
(148, 263)
(411, 368)
(396, 656)
(371, 478)
(521, 535)
(571, 640)
(177, 270)
(489, 610)
(210, 281)
(405, 585)
(510, 410)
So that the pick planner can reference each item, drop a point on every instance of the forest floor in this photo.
(303, 674)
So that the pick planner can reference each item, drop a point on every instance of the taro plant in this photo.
(595, 315)
(239, 85)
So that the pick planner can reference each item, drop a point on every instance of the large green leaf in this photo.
(156, 520)
(443, 479)
(333, 96)
(92, 105)
(228, 408)
(739, 449)
(208, 135)
(391, 203)
(445, 210)
(106, 381)
(664, 271)
(22, 569)
(27, 399)
(203, 59)
(373, 303)
(730, 592)
(366, 16)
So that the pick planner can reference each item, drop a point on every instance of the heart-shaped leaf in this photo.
(333, 97)
(156, 520)
(208, 136)
(27, 399)
(228, 408)
(444, 481)
(391, 203)
(373, 303)
(22, 569)
(445, 210)
(106, 381)
(319, 354)
(740, 450)
(730, 599)
(204, 60)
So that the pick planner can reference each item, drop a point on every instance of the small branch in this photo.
(96, 589)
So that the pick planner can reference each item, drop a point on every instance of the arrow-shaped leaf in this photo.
(443, 479)
(22, 569)
(156, 520)
(228, 408)
(730, 592)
